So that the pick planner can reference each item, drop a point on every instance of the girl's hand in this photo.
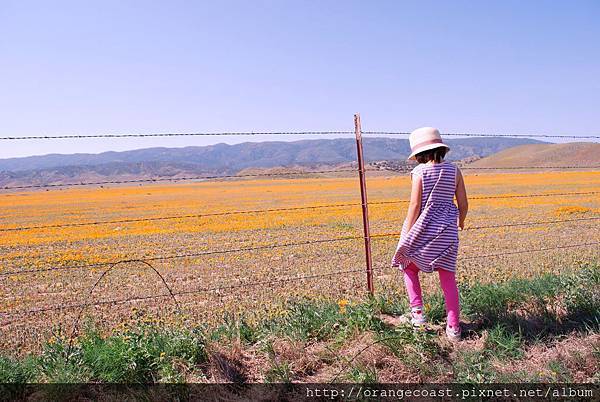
(461, 199)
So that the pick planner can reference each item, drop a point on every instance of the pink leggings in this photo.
(448, 283)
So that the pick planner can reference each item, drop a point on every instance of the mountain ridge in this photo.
(263, 154)
(544, 155)
(223, 159)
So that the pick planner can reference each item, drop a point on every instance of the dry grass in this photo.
(569, 154)
(575, 352)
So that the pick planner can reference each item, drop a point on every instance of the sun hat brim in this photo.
(426, 148)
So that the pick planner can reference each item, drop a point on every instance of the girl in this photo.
(429, 237)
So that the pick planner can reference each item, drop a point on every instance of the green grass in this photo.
(578, 292)
(558, 371)
(473, 367)
(394, 304)
(144, 353)
(596, 352)
(308, 320)
(280, 372)
(502, 343)
(238, 329)
(436, 308)
(360, 374)
(16, 371)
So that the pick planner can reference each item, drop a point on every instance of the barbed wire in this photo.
(180, 256)
(260, 283)
(225, 213)
(181, 293)
(145, 264)
(505, 225)
(282, 174)
(531, 250)
(529, 167)
(173, 217)
(270, 246)
(174, 179)
(142, 135)
(503, 135)
(286, 133)
(408, 168)
(505, 253)
(492, 197)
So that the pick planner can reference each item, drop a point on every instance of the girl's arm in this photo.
(461, 199)
(414, 208)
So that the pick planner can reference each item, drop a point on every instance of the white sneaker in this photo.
(453, 334)
(417, 315)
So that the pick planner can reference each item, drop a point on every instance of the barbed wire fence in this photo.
(366, 236)
(173, 294)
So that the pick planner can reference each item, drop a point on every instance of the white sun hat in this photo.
(424, 139)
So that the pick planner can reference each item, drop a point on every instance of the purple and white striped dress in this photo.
(432, 242)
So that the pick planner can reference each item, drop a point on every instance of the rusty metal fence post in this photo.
(364, 203)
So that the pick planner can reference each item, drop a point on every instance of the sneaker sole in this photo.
(453, 338)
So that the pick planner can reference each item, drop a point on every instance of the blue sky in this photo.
(91, 67)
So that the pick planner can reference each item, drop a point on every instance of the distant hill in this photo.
(547, 155)
(221, 159)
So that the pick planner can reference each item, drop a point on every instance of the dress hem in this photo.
(437, 268)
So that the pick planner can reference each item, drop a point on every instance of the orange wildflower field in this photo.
(58, 266)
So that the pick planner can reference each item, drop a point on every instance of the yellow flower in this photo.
(342, 305)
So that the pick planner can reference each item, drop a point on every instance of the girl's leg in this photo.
(448, 283)
(413, 286)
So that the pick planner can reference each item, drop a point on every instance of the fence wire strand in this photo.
(505, 225)
(174, 217)
(486, 135)
(268, 210)
(493, 197)
(269, 246)
(286, 133)
(466, 167)
(258, 175)
(260, 283)
(182, 293)
(180, 256)
(173, 179)
(142, 135)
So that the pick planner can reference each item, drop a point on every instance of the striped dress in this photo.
(432, 242)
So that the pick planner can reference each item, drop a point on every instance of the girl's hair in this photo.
(436, 154)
